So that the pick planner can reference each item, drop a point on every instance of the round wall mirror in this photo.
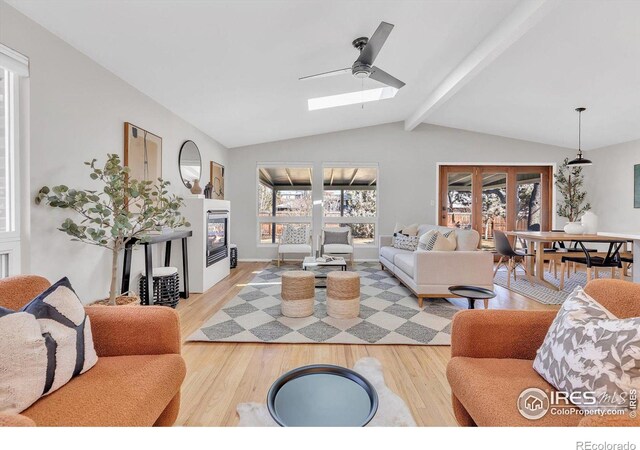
(190, 163)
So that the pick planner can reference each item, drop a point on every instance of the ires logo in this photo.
(534, 403)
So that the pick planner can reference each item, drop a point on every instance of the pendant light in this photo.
(580, 161)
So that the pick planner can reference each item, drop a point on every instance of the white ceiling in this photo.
(231, 67)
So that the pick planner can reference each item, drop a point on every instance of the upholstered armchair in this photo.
(339, 249)
(137, 379)
(492, 353)
(293, 241)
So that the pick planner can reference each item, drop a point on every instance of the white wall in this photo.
(610, 180)
(407, 170)
(77, 111)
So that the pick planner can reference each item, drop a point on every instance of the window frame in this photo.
(328, 220)
(280, 219)
(14, 66)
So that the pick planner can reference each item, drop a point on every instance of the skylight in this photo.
(351, 98)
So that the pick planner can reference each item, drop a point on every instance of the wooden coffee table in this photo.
(310, 263)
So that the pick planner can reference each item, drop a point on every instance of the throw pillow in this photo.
(67, 331)
(406, 242)
(435, 241)
(336, 237)
(588, 349)
(295, 235)
(409, 230)
(23, 361)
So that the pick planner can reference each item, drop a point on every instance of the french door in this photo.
(490, 198)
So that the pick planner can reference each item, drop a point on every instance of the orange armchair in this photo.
(137, 379)
(492, 355)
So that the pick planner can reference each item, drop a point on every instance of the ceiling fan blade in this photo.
(327, 74)
(376, 41)
(383, 77)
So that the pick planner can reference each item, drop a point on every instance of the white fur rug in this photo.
(392, 410)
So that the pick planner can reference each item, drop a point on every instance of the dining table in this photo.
(537, 240)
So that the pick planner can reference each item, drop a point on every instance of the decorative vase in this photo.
(590, 223)
(574, 228)
(196, 189)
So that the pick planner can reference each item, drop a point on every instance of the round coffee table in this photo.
(473, 293)
(322, 396)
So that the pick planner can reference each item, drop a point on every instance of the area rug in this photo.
(542, 294)
(392, 410)
(389, 314)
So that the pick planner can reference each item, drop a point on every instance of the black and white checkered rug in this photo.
(389, 314)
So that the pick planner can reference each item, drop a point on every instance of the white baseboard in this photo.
(274, 259)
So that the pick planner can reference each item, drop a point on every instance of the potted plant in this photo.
(121, 210)
(570, 183)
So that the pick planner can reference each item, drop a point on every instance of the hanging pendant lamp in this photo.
(580, 161)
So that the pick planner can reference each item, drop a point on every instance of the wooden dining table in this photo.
(538, 239)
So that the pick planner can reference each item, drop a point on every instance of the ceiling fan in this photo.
(363, 66)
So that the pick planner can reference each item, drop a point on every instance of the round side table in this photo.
(473, 293)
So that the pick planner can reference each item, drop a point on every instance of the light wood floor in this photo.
(221, 375)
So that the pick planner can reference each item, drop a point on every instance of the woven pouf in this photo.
(343, 295)
(298, 293)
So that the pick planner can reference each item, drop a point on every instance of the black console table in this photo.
(148, 261)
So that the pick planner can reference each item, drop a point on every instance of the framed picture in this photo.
(142, 153)
(217, 181)
(636, 184)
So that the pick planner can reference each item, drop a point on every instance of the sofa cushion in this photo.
(467, 240)
(438, 241)
(489, 388)
(390, 253)
(294, 248)
(117, 391)
(405, 262)
(338, 248)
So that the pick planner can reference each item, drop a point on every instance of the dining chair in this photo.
(611, 260)
(509, 257)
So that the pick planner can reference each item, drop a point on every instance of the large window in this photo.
(284, 196)
(350, 198)
(12, 66)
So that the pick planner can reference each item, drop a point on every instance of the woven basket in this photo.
(298, 293)
(343, 295)
(166, 287)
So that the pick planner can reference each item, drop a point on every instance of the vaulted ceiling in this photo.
(504, 67)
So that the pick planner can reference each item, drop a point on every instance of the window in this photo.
(284, 197)
(350, 198)
(12, 66)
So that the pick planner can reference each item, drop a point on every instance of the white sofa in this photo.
(429, 274)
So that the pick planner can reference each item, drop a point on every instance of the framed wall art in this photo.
(142, 153)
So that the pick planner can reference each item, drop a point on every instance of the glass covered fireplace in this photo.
(217, 232)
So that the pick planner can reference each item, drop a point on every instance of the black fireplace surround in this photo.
(217, 236)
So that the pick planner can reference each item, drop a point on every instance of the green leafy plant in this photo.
(124, 209)
(570, 183)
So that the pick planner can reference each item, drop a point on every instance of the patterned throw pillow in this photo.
(23, 361)
(408, 230)
(588, 349)
(435, 241)
(43, 346)
(295, 235)
(405, 242)
(67, 331)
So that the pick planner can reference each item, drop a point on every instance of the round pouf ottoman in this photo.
(343, 295)
(298, 293)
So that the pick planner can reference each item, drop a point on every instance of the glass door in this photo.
(494, 207)
(495, 198)
(457, 198)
